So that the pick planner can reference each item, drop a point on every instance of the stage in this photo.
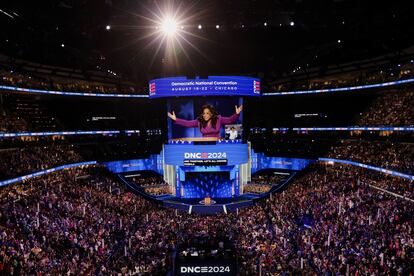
(205, 158)
(218, 205)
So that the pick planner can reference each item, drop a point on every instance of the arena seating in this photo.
(332, 219)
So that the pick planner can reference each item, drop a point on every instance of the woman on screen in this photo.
(209, 122)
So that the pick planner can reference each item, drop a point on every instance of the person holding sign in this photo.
(209, 122)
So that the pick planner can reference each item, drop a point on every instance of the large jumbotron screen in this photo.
(189, 108)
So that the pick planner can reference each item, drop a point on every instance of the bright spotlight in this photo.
(217, 26)
(292, 23)
(108, 27)
(200, 27)
(169, 26)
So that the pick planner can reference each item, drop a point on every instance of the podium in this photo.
(207, 200)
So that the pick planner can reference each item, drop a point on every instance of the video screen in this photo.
(190, 109)
(233, 132)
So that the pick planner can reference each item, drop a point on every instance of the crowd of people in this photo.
(384, 154)
(385, 74)
(164, 190)
(262, 183)
(256, 188)
(390, 109)
(149, 181)
(332, 220)
(22, 79)
(74, 222)
(340, 224)
(81, 221)
(267, 178)
(12, 123)
(153, 185)
(27, 80)
(20, 161)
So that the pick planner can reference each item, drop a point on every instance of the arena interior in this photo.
(190, 137)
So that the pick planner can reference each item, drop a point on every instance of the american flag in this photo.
(256, 87)
(152, 88)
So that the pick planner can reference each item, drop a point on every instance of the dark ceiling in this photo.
(36, 30)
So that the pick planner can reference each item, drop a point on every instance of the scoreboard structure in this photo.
(193, 166)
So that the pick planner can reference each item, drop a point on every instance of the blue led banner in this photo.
(122, 166)
(339, 89)
(68, 93)
(353, 129)
(60, 133)
(369, 167)
(39, 173)
(111, 132)
(212, 86)
(181, 155)
(185, 142)
(259, 162)
(243, 91)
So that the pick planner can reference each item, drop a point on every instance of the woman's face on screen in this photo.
(206, 114)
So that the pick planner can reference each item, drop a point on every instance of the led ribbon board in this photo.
(60, 133)
(259, 162)
(212, 86)
(153, 163)
(39, 173)
(351, 129)
(69, 93)
(341, 89)
(369, 167)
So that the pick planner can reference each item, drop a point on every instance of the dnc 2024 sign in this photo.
(212, 86)
(220, 154)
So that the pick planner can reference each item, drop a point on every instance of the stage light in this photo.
(169, 26)
(339, 41)
(62, 45)
(108, 27)
(265, 24)
(292, 23)
(217, 26)
(170, 29)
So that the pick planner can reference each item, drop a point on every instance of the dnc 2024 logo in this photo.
(205, 155)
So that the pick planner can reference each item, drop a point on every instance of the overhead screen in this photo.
(212, 86)
(190, 108)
